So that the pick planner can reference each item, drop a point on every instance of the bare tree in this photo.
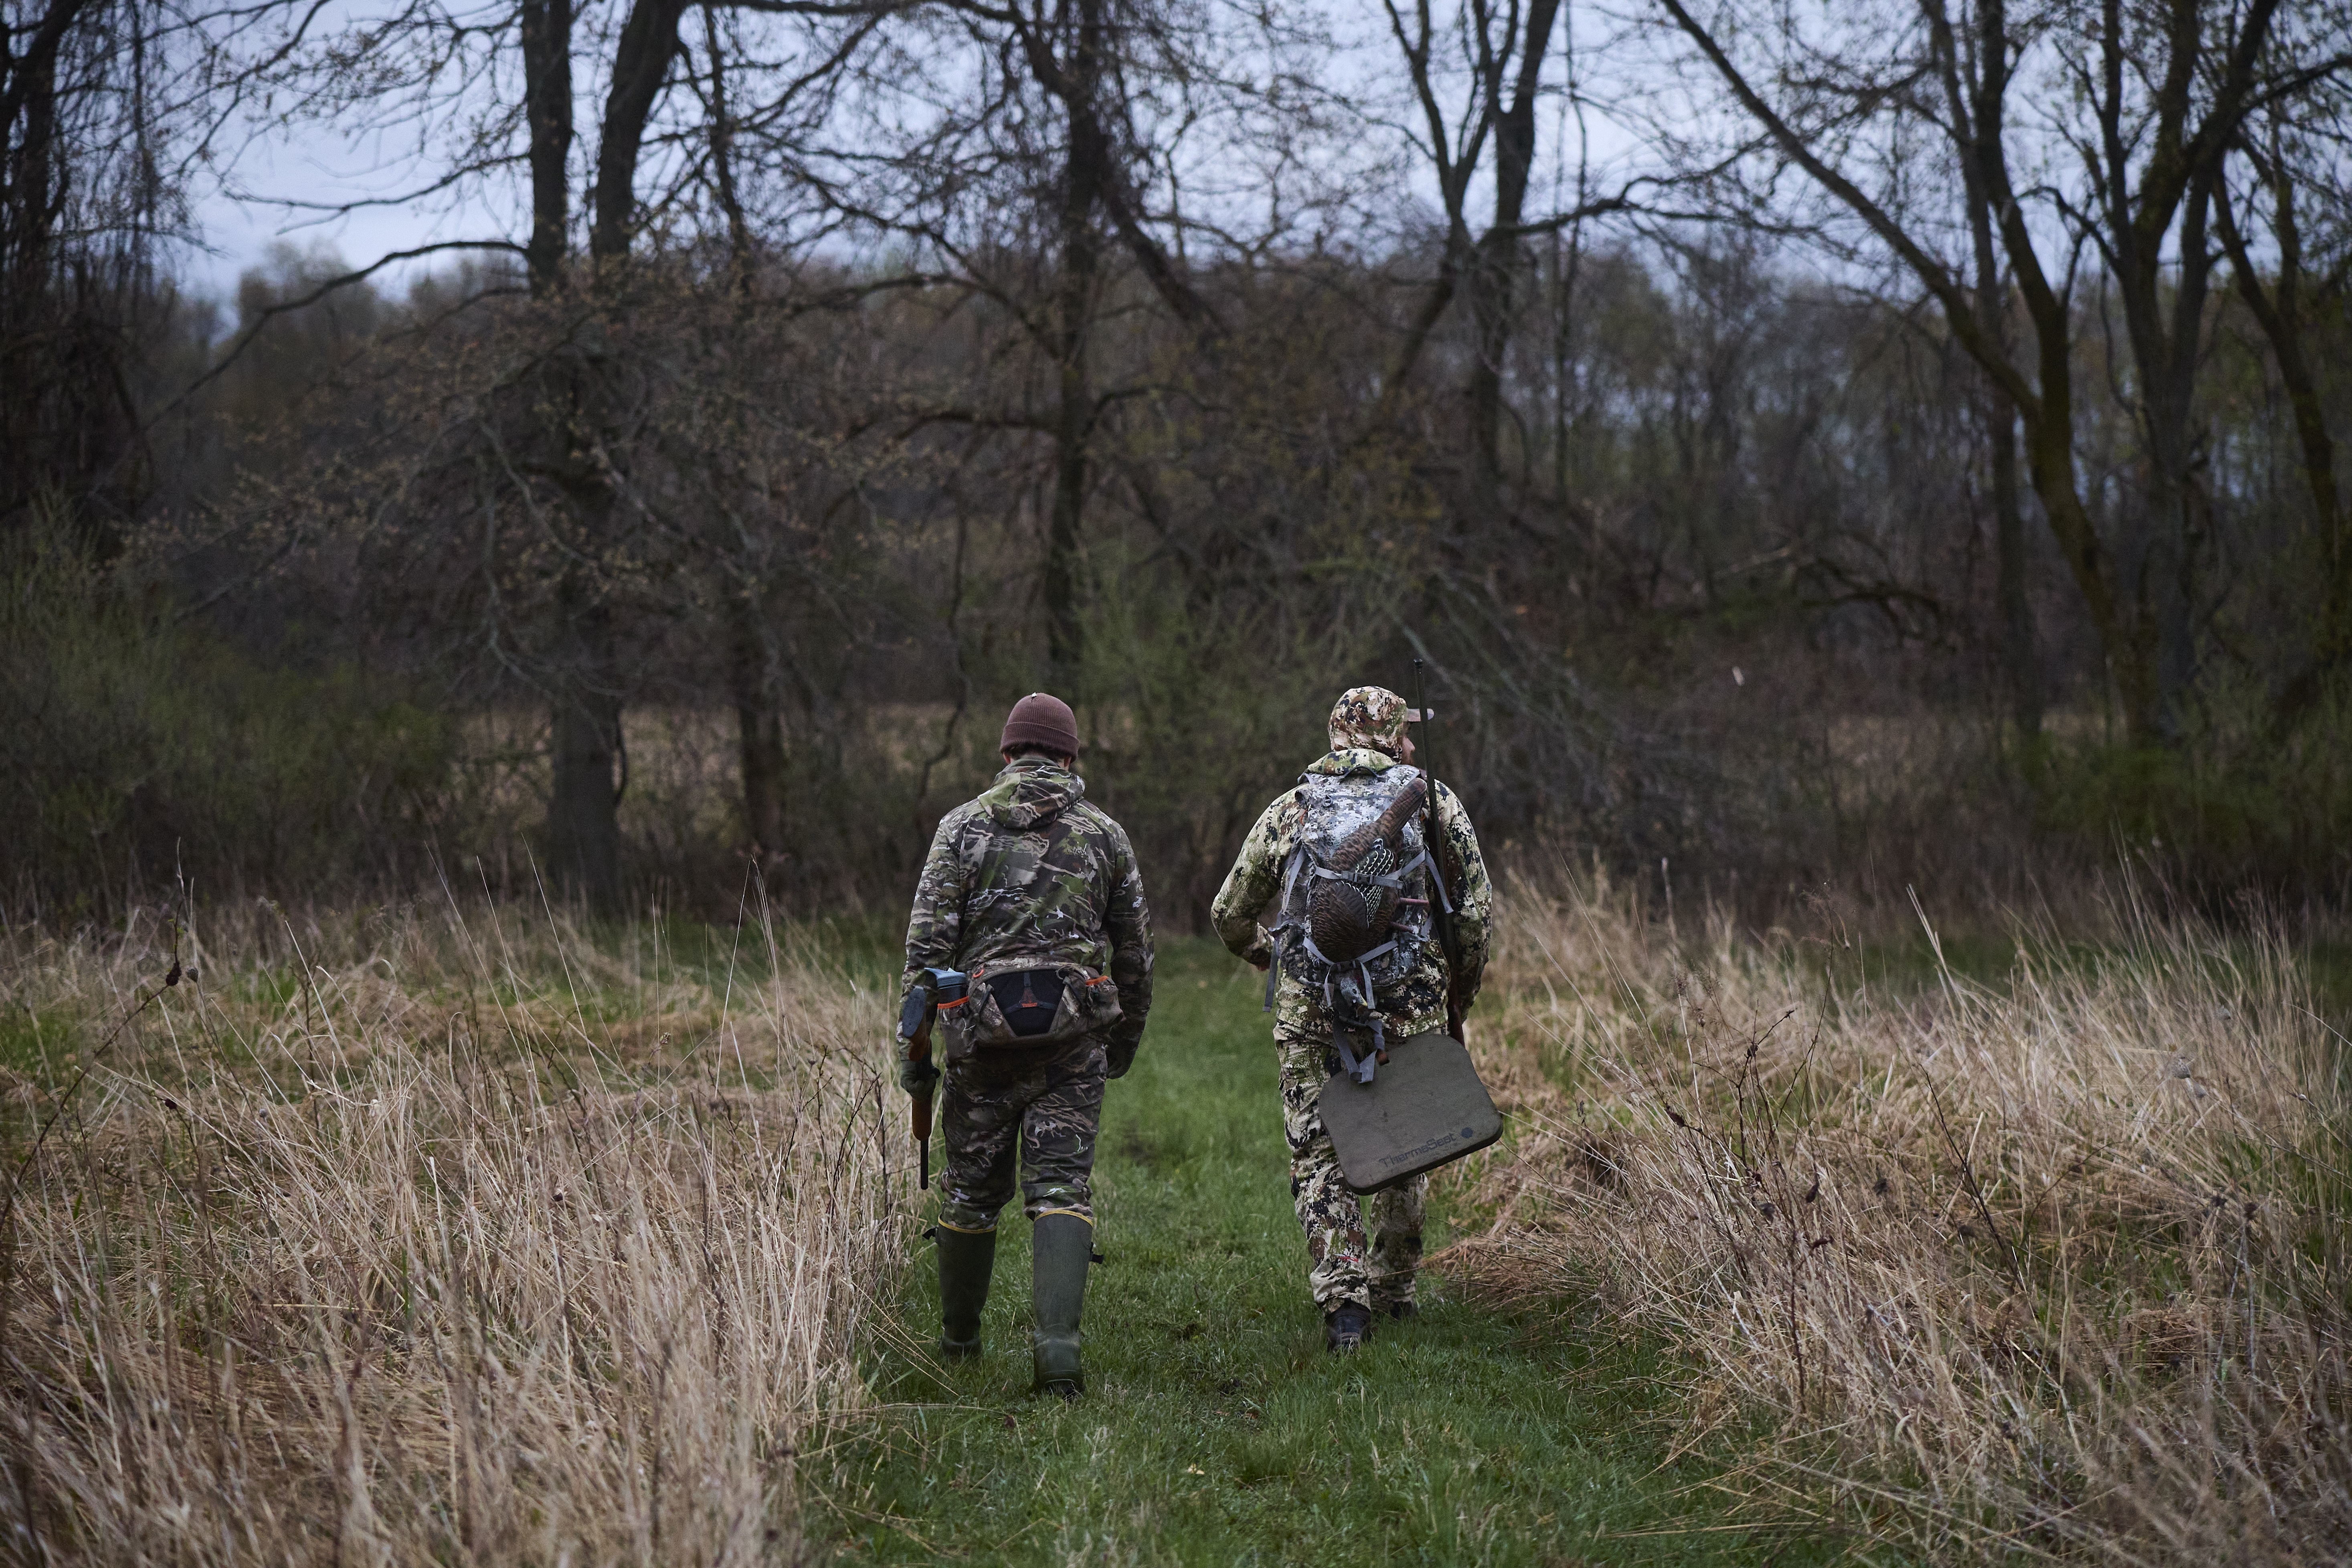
(1029, 193)
(2287, 156)
(1976, 118)
(1504, 50)
(2168, 89)
(598, 533)
(92, 101)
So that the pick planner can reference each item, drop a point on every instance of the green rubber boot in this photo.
(1061, 1246)
(966, 1260)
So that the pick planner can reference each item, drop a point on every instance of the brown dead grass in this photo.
(369, 1242)
(2056, 1267)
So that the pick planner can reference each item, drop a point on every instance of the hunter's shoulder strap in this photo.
(1445, 863)
(1286, 922)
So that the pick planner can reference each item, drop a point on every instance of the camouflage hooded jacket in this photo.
(1032, 873)
(1416, 1001)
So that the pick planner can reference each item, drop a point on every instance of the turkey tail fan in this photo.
(1382, 830)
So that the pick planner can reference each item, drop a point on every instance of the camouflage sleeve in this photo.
(1249, 887)
(1474, 895)
(934, 929)
(1127, 921)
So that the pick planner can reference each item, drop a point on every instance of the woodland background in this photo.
(1816, 448)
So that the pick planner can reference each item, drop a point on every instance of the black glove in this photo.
(1119, 1057)
(916, 1077)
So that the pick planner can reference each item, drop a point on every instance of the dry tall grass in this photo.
(431, 1237)
(2052, 1266)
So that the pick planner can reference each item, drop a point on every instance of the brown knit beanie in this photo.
(1038, 719)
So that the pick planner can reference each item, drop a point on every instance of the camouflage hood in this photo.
(1351, 762)
(1031, 792)
(1031, 874)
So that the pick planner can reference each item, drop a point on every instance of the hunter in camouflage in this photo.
(1347, 1268)
(1029, 876)
(1032, 873)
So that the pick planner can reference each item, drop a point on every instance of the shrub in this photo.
(137, 747)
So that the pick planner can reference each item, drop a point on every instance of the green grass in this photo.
(35, 1046)
(1216, 1431)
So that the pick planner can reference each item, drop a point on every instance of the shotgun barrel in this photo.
(1441, 908)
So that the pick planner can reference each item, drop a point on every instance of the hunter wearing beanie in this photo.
(1031, 890)
(1040, 719)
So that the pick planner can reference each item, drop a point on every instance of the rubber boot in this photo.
(1061, 1246)
(1346, 1327)
(966, 1260)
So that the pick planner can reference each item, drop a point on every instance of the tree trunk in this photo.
(1495, 273)
(2159, 585)
(583, 822)
(2279, 311)
(641, 62)
(2019, 660)
(2019, 664)
(2050, 464)
(759, 738)
(2045, 405)
(2162, 610)
(1073, 424)
(547, 99)
(722, 165)
(1491, 317)
(583, 825)
(759, 717)
(30, 299)
(66, 425)
(1064, 630)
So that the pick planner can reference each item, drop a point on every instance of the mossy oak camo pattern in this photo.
(1031, 875)
(1360, 1251)
(1346, 1264)
(1043, 1106)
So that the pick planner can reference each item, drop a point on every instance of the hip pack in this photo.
(1355, 898)
(1009, 1007)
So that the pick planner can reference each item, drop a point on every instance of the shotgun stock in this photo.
(937, 987)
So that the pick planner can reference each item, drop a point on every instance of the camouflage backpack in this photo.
(1355, 898)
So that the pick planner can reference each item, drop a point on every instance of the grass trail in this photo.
(1216, 1429)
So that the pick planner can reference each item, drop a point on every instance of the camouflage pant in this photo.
(1041, 1106)
(1343, 1267)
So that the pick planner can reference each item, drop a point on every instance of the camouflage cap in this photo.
(1371, 716)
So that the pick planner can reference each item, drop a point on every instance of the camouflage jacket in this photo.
(1418, 999)
(1031, 873)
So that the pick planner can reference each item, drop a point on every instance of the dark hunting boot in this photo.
(966, 1259)
(1061, 1246)
(1346, 1327)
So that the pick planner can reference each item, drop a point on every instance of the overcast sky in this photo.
(319, 164)
(1338, 56)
